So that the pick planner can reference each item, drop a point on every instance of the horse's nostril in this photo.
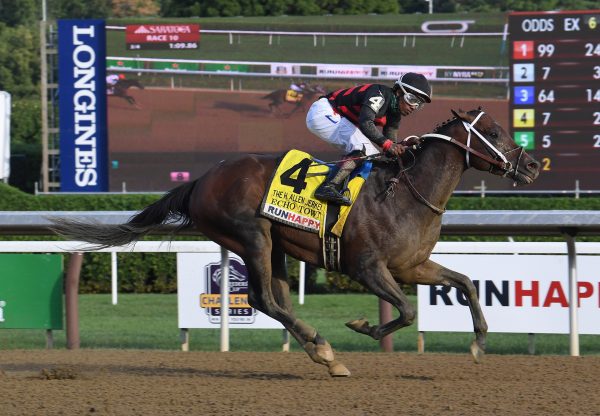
(533, 166)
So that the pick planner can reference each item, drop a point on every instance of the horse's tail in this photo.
(172, 208)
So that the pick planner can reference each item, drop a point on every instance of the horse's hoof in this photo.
(477, 352)
(359, 325)
(337, 369)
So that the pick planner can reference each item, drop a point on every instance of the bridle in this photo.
(499, 161)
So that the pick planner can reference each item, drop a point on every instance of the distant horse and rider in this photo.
(118, 86)
(388, 236)
(300, 98)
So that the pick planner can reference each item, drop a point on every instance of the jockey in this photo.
(298, 88)
(111, 81)
(347, 118)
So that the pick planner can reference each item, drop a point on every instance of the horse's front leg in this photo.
(431, 273)
(373, 274)
(269, 293)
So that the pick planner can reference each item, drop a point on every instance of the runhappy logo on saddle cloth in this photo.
(290, 196)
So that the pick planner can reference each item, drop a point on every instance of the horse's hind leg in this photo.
(316, 346)
(431, 273)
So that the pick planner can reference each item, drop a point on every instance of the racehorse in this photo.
(278, 97)
(121, 87)
(387, 240)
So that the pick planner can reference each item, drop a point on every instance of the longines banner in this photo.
(82, 106)
(517, 293)
(199, 293)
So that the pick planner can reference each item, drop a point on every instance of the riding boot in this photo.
(330, 189)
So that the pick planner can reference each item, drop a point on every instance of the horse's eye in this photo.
(494, 135)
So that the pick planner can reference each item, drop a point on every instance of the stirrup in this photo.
(327, 192)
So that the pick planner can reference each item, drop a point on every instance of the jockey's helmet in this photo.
(415, 87)
(121, 76)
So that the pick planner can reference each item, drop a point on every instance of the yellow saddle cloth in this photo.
(290, 196)
(292, 96)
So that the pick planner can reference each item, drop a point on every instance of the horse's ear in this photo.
(462, 115)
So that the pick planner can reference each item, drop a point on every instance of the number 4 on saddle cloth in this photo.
(290, 196)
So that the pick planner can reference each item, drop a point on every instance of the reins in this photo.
(499, 164)
(391, 189)
(502, 164)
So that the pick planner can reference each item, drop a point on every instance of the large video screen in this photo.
(183, 112)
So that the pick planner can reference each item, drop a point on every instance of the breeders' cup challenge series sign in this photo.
(199, 293)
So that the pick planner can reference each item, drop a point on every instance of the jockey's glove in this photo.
(395, 150)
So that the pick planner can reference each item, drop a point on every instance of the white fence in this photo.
(427, 32)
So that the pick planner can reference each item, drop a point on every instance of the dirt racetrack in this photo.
(119, 382)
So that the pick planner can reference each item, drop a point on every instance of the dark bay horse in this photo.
(121, 87)
(277, 99)
(388, 236)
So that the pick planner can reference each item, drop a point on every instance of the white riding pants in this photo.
(322, 121)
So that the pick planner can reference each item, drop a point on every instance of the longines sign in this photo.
(82, 106)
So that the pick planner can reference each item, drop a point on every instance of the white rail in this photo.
(443, 247)
(265, 69)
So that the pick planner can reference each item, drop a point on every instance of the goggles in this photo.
(411, 99)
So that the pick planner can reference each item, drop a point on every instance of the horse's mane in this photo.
(444, 124)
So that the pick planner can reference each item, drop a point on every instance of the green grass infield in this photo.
(141, 321)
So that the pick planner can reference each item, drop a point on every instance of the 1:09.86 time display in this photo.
(183, 45)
